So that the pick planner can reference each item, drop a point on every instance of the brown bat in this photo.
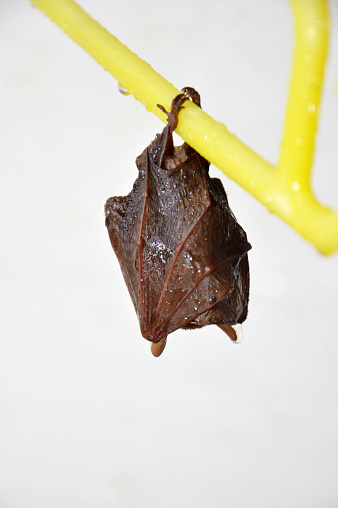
(181, 251)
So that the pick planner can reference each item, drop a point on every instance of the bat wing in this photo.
(174, 238)
(124, 221)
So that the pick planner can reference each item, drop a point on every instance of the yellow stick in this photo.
(311, 24)
(285, 191)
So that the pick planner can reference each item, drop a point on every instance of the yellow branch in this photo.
(311, 24)
(285, 191)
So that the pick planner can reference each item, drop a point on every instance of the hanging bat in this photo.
(181, 251)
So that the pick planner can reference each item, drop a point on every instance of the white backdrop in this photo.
(88, 417)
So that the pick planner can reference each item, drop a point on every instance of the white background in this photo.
(88, 418)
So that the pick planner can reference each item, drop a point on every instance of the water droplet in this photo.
(307, 58)
(123, 90)
(311, 107)
(310, 79)
(295, 186)
(298, 141)
(269, 198)
(239, 333)
(312, 29)
(233, 331)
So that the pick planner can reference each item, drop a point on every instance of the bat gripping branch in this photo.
(284, 189)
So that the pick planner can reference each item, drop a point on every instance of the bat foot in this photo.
(188, 93)
(157, 348)
(176, 106)
(192, 94)
(234, 332)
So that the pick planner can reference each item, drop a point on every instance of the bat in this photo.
(181, 251)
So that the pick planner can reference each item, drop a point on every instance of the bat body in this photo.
(182, 253)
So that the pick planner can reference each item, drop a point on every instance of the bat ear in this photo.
(235, 332)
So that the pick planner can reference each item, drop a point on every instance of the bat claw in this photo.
(234, 332)
(157, 348)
